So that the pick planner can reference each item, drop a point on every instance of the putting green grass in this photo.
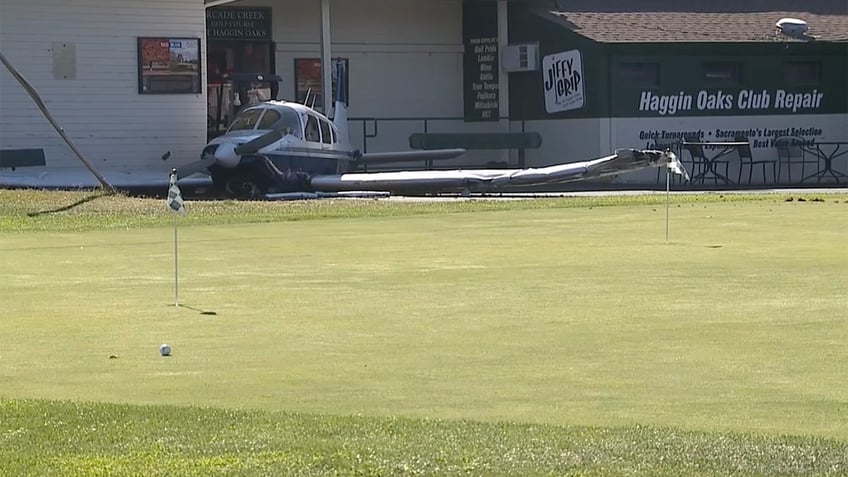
(539, 312)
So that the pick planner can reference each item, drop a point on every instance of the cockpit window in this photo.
(325, 132)
(246, 119)
(312, 129)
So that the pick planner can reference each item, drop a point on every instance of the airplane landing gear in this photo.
(243, 188)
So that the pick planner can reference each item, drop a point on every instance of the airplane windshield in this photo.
(246, 119)
(285, 119)
(281, 118)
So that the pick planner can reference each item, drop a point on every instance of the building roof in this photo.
(616, 21)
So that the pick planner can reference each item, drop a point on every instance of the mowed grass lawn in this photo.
(555, 312)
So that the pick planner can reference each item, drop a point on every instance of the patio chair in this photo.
(746, 159)
(790, 153)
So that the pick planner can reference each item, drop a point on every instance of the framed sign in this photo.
(307, 80)
(238, 23)
(169, 65)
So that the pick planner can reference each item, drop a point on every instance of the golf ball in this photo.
(165, 350)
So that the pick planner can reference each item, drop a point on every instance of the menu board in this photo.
(481, 87)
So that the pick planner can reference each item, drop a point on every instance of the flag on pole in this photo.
(674, 165)
(175, 197)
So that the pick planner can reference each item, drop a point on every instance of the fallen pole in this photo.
(38, 102)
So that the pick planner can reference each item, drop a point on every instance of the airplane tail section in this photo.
(340, 115)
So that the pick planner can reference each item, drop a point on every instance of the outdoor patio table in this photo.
(709, 170)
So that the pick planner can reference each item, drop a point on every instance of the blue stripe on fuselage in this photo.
(309, 161)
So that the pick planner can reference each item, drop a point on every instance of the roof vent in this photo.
(792, 27)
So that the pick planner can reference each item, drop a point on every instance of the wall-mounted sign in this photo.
(168, 65)
(481, 83)
(238, 23)
(307, 80)
(562, 77)
(774, 101)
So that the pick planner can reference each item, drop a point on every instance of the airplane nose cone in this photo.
(226, 155)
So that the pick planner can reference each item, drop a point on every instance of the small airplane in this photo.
(279, 147)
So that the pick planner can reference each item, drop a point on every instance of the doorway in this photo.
(232, 56)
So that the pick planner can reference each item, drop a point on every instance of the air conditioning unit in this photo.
(520, 57)
(792, 27)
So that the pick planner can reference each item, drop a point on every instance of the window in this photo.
(325, 132)
(802, 72)
(246, 119)
(639, 74)
(307, 80)
(268, 119)
(723, 72)
(312, 132)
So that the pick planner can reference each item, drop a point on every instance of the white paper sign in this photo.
(562, 75)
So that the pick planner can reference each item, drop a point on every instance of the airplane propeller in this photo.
(254, 145)
(229, 155)
(197, 166)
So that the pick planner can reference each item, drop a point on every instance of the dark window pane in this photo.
(723, 72)
(802, 72)
(639, 74)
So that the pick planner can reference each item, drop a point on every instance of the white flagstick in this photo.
(175, 203)
(673, 165)
(176, 267)
(667, 194)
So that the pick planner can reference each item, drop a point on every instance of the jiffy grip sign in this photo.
(563, 81)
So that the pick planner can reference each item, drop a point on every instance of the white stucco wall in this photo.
(101, 109)
(405, 60)
(405, 55)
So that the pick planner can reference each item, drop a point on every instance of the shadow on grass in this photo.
(202, 312)
(65, 208)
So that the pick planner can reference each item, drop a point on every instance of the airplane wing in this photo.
(487, 180)
(408, 156)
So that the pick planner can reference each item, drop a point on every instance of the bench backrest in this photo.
(516, 140)
(22, 158)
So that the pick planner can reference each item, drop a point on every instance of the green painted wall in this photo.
(526, 89)
(682, 89)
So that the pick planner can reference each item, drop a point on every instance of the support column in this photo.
(326, 58)
(503, 76)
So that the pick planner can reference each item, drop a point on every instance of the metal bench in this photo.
(14, 158)
(476, 141)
